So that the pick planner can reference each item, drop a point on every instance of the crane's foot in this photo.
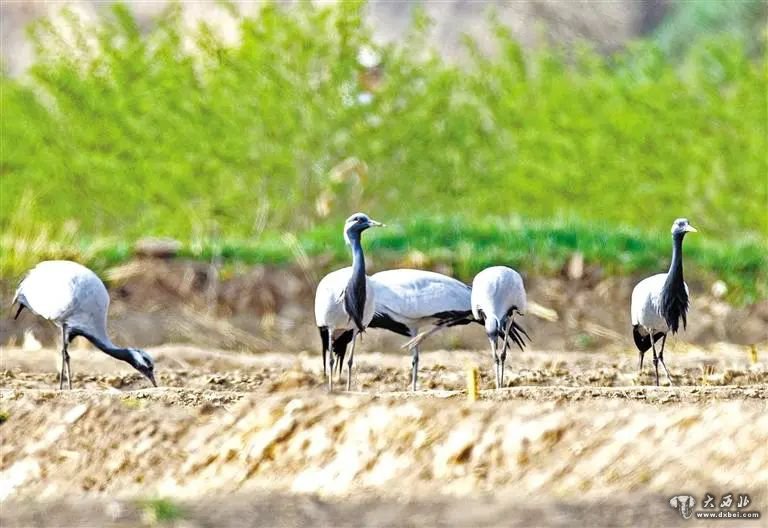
(666, 370)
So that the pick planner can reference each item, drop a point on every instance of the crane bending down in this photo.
(660, 301)
(497, 294)
(344, 300)
(74, 298)
(409, 299)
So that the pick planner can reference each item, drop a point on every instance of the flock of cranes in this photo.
(347, 302)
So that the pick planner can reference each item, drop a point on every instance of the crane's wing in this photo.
(329, 297)
(413, 295)
(61, 290)
(48, 290)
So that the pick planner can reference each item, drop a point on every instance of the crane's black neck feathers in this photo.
(340, 345)
(123, 354)
(355, 292)
(673, 301)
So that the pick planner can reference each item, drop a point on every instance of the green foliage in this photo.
(30, 237)
(160, 511)
(467, 245)
(118, 134)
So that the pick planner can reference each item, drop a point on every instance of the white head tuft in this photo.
(682, 226)
(357, 223)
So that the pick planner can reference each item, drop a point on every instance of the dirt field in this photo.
(256, 440)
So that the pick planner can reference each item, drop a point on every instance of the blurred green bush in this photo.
(179, 133)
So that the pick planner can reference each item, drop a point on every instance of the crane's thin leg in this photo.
(63, 366)
(64, 357)
(421, 337)
(67, 339)
(494, 343)
(507, 329)
(330, 359)
(505, 343)
(504, 349)
(655, 358)
(325, 366)
(69, 371)
(349, 362)
(503, 357)
(661, 359)
(414, 366)
(340, 360)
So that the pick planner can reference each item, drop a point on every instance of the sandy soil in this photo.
(256, 440)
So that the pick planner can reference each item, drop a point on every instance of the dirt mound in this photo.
(185, 367)
(299, 442)
(228, 436)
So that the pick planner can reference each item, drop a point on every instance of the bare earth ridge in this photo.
(238, 439)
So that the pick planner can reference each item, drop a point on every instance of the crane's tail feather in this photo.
(21, 301)
(382, 320)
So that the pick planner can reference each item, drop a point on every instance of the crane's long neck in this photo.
(674, 297)
(358, 260)
(103, 343)
(355, 293)
(675, 274)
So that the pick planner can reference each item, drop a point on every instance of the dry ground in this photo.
(256, 440)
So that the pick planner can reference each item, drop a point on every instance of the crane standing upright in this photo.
(660, 302)
(344, 300)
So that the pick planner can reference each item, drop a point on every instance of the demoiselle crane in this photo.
(74, 298)
(408, 300)
(660, 302)
(497, 295)
(344, 300)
